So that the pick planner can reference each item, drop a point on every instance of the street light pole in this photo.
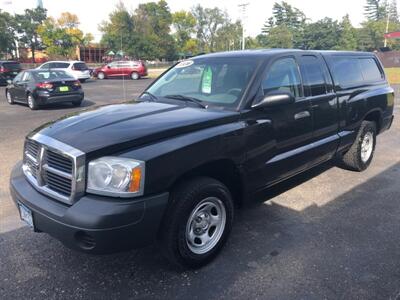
(243, 8)
(387, 25)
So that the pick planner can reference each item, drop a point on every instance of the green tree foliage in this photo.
(27, 25)
(323, 34)
(286, 18)
(228, 36)
(61, 36)
(280, 36)
(184, 23)
(7, 33)
(348, 35)
(375, 10)
(209, 21)
(143, 34)
(370, 36)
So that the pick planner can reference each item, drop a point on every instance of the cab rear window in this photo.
(353, 71)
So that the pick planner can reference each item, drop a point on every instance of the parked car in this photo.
(78, 69)
(40, 87)
(133, 69)
(172, 166)
(8, 70)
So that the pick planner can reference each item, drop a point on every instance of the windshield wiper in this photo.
(152, 96)
(186, 98)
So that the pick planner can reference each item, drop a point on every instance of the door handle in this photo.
(302, 114)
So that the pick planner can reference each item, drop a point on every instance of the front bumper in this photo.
(94, 224)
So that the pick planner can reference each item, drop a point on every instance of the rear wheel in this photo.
(101, 75)
(360, 155)
(77, 103)
(32, 102)
(135, 76)
(197, 223)
(9, 98)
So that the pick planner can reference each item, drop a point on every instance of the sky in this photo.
(92, 12)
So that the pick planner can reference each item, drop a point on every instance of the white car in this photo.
(76, 68)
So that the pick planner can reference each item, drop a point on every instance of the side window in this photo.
(313, 75)
(370, 69)
(62, 65)
(112, 65)
(346, 71)
(44, 66)
(18, 77)
(26, 77)
(283, 75)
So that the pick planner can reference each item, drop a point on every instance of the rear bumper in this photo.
(94, 224)
(46, 98)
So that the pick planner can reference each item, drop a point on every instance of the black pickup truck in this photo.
(211, 134)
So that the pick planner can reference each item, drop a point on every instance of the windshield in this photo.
(217, 81)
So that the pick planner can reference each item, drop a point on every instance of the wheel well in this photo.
(376, 117)
(224, 171)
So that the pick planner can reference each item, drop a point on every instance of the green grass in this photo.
(393, 75)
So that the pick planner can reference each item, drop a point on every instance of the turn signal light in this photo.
(77, 83)
(136, 177)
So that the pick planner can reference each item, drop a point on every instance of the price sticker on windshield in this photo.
(184, 64)
(207, 81)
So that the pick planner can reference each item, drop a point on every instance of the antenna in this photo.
(243, 8)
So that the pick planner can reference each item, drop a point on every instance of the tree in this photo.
(209, 20)
(375, 10)
(347, 39)
(322, 35)
(61, 36)
(370, 36)
(393, 12)
(7, 33)
(183, 22)
(228, 37)
(280, 37)
(28, 24)
(153, 21)
(291, 18)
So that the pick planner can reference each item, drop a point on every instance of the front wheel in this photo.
(32, 102)
(135, 76)
(9, 98)
(77, 103)
(101, 76)
(360, 155)
(197, 222)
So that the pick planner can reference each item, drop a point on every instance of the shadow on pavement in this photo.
(346, 249)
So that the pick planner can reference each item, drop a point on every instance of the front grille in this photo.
(58, 162)
(58, 183)
(54, 171)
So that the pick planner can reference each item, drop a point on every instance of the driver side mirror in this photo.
(275, 98)
(108, 67)
(9, 81)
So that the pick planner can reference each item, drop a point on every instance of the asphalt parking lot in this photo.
(326, 234)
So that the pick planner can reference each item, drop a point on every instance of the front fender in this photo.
(167, 160)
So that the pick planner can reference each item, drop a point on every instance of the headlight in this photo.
(116, 176)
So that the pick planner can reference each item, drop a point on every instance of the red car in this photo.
(133, 69)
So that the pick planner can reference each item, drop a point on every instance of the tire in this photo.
(9, 98)
(360, 155)
(135, 76)
(101, 76)
(200, 212)
(77, 103)
(31, 102)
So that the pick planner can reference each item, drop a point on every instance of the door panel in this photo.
(319, 91)
(279, 138)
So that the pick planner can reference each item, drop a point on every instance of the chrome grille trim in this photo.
(46, 165)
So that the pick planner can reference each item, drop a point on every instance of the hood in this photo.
(128, 125)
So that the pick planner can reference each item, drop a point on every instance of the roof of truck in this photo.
(271, 52)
